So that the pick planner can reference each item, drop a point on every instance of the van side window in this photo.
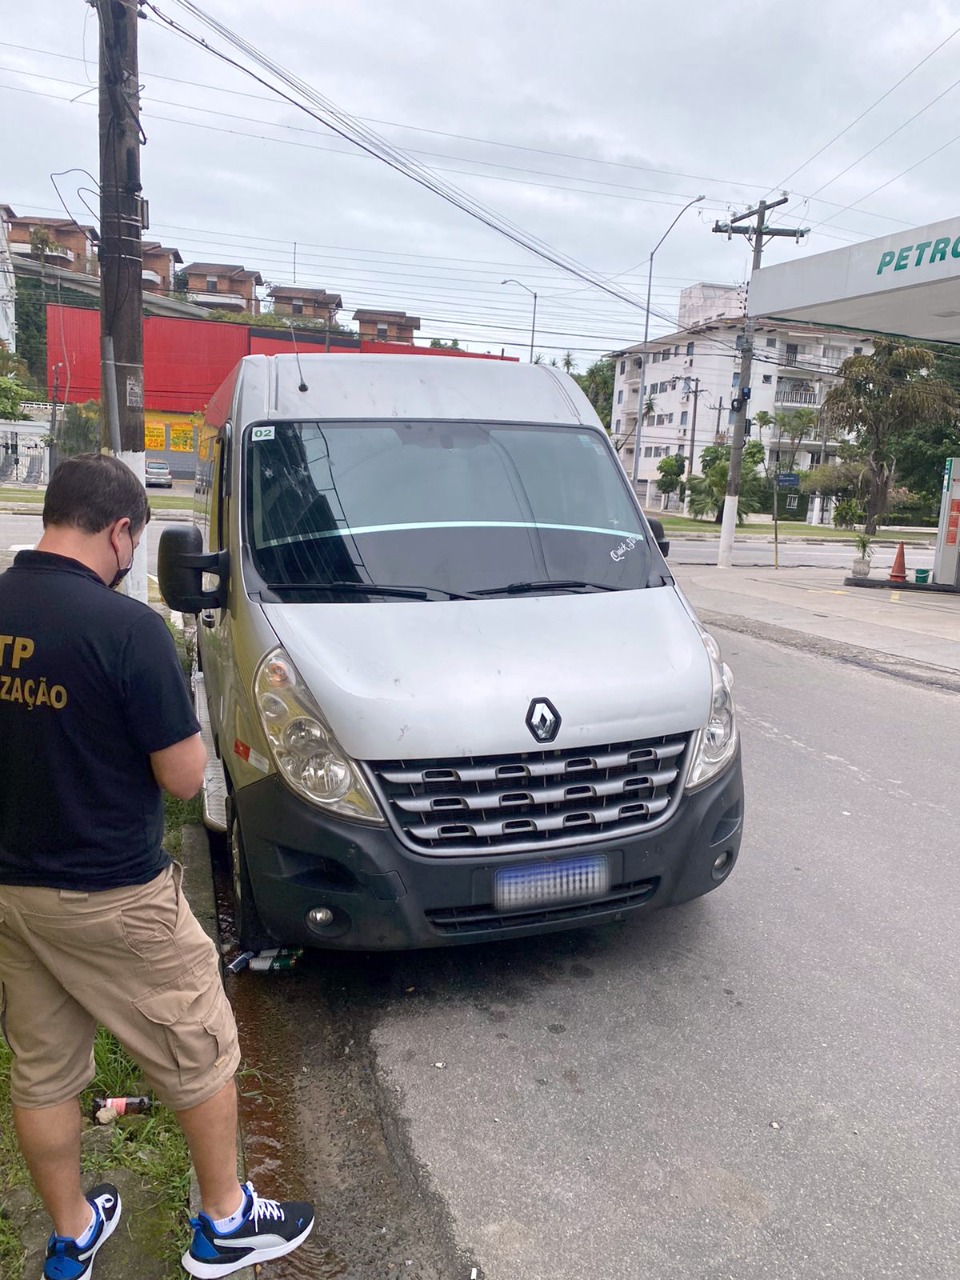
(216, 495)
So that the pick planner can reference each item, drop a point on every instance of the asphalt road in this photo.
(22, 529)
(761, 1083)
(17, 530)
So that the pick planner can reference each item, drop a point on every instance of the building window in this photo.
(382, 332)
(616, 427)
(670, 419)
(736, 380)
(768, 378)
(623, 366)
(683, 418)
(771, 342)
(676, 351)
(741, 340)
(816, 459)
(211, 284)
(620, 396)
(660, 419)
(648, 451)
(638, 363)
(858, 351)
(834, 354)
(689, 348)
(296, 308)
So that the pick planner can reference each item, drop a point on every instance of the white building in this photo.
(8, 291)
(693, 376)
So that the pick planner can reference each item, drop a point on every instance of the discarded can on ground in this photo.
(276, 959)
(129, 1106)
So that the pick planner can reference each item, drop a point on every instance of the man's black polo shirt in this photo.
(90, 685)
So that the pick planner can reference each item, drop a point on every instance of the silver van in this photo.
(450, 688)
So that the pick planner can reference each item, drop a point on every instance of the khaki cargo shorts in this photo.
(134, 959)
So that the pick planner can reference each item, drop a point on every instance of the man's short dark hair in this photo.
(92, 491)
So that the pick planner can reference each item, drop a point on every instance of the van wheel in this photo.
(251, 933)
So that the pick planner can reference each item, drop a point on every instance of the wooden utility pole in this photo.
(741, 401)
(122, 221)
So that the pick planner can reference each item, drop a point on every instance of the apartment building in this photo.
(8, 289)
(311, 304)
(693, 377)
(386, 326)
(159, 267)
(223, 286)
(59, 241)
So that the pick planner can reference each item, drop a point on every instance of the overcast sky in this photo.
(589, 127)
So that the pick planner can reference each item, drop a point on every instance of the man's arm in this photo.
(179, 769)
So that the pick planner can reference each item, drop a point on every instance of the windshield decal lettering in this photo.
(620, 553)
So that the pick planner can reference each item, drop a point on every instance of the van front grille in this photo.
(534, 799)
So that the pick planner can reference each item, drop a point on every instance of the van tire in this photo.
(251, 934)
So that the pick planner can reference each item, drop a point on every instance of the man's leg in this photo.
(211, 1133)
(49, 1138)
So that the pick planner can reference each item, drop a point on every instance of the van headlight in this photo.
(715, 745)
(304, 750)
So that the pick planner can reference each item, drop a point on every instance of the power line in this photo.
(862, 114)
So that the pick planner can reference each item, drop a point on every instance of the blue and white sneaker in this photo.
(65, 1258)
(270, 1228)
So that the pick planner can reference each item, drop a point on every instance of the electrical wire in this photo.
(780, 185)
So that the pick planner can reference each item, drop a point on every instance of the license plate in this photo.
(544, 884)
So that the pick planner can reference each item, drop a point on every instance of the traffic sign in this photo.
(788, 480)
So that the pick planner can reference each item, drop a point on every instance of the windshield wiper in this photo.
(367, 588)
(558, 584)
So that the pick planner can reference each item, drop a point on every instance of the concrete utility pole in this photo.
(693, 443)
(741, 400)
(122, 221)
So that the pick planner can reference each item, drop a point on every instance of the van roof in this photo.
(354, 385)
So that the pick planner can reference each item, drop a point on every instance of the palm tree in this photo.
(882, 396)
(568, 362)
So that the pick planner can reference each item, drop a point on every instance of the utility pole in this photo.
(122, 221)
(741, 401)
(693, 441)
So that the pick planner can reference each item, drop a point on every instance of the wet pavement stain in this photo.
(316, 1124)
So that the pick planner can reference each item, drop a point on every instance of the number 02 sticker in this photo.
(263, 433)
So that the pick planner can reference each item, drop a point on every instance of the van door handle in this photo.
(208, 618)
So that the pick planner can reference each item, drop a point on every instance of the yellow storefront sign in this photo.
(181, 437)
(155, 435)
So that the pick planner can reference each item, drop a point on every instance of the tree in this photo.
(12, 396)
(880, 400)
(708, 491)
(42, 243)
(567, 362)
(437, 345)
(671, 469)
(79, 429)
(597, 386)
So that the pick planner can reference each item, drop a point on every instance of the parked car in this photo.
(451, 688)
(158, 476)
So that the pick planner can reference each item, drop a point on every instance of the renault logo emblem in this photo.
(543, 720)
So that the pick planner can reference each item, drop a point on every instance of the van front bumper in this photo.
(385, 897)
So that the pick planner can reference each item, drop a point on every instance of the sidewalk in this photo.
(907, 633)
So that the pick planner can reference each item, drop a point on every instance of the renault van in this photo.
(450, 689)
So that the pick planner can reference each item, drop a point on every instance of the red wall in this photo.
(184, 361)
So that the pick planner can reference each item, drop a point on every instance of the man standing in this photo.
(95, 722)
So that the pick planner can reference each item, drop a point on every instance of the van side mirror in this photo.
(181, 564)
(656, 528)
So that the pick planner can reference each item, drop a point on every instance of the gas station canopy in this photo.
(906, 284)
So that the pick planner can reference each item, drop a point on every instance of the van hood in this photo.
(399, 680)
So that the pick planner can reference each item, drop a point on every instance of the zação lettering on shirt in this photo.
(32, 693)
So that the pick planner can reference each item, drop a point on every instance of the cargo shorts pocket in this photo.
(194, 1027)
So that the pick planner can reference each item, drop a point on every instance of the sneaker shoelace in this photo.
(264, 1208)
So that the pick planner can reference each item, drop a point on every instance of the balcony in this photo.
(797, 396)
(220, 301)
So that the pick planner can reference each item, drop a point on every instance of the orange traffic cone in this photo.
(899, 571)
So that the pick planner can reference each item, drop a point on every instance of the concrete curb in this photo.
(198, 888)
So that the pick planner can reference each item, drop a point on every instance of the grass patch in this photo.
(787, 529)
(158, 501)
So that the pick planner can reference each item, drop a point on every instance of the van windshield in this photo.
(453, 508)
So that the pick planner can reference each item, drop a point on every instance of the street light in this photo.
(646, 331)
(533, 322)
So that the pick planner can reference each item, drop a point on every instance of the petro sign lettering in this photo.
(915, 255)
